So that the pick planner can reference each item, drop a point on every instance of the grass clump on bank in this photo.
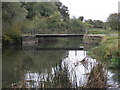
(107, 51)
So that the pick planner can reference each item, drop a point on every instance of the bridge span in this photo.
(53, 35)
(31, 39)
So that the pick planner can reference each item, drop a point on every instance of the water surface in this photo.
(51, 63)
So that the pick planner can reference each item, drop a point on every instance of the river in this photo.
(55, 64)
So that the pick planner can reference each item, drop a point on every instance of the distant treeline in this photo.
(20, 18)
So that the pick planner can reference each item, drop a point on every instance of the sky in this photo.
(91, 9)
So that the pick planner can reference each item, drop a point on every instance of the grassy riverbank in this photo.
(108, 50)
(101, 31)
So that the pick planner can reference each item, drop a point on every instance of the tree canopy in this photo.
(114, 21)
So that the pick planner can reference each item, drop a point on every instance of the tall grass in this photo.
(98, 77)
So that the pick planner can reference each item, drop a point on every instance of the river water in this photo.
(61, 63)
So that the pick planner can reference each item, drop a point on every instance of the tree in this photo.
(13, 12)
(114, 21)
(76, 26)
(43, 16)
(81, 18)
(43, 8)
(12, 16)
(90, 21)
(63, 11)
(54, 21)
(98, 24)
(95, 23)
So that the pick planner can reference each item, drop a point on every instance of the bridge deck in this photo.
(27, 47)
(62, 35)
(58, 35)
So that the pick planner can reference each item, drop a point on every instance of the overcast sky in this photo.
(91, 9)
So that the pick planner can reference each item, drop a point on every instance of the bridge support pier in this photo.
(29, 40)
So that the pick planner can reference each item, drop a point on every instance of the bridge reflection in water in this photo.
(51, 38)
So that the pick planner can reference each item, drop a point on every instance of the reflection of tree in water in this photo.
(27, 62)
(16, 63)
(10, 74)
(59, 78)
(60, 42)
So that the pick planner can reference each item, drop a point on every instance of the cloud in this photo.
(91, 9)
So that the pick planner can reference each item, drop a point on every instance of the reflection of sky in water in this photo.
(36, 78)
(78, 70)
(75, 67)
(111, 81)
(78, 67)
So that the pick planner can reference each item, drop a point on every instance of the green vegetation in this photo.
(36, 17)
(101, 31)
(98, 31)
(95, 23)
(107, 51)
(11, 21)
